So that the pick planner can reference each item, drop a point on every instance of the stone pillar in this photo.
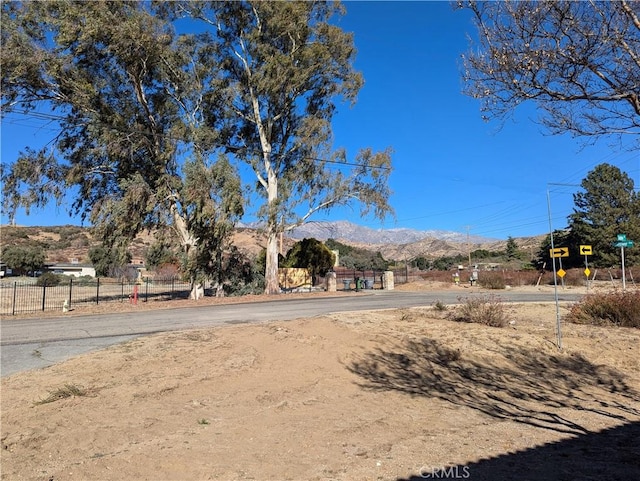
(387, 281)
(330, 282)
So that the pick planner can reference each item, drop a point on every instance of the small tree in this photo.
(24, 259)
(357, 257)
(313, 255)
(512, 249)
(108, 262)
(160, 253)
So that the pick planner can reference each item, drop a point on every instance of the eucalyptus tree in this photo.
(126, 94)
(579, 62)
(284, 66)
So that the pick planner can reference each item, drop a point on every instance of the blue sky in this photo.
(451, 170)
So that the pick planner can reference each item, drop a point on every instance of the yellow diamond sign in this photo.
(561, 273)
(587, 272)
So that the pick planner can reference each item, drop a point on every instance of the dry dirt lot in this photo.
(386, 395)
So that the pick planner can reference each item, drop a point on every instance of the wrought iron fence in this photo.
(19, 297)
(348, 279)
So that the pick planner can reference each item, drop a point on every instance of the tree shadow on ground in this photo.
(608, 455)
(519, 384)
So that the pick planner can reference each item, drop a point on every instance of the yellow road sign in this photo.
(559, 252)
(585, 250)
(561, 273)
(587, 271)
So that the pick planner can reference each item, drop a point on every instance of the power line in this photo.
(230, 148)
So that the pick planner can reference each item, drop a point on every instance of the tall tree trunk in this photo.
(272, 286)
(220, 277)
(188, 243)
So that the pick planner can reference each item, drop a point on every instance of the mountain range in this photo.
(403, 243)
(347, 231)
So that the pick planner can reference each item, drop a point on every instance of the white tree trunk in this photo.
(188, 243)
(272, 286)
(271, 275)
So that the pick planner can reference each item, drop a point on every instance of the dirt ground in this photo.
(383, 395)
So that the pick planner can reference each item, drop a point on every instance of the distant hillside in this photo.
(434, 248)
(65, 243)
(402, 243)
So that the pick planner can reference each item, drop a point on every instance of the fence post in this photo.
(13, 307)
(146, 289)
(121, 290)
(173, 282)
(44, 293)
(97, 291)
(70, 288)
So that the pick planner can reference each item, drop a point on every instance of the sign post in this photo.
(622, 243)
(586, 250)
(559, 252)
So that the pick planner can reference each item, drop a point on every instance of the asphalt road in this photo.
(36, 343)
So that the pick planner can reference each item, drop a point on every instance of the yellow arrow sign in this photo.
(559, 252)
(585, 250)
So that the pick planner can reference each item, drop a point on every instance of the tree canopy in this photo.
(608, 205)
(140, 105)
(578, 61)
(126, 94)
(23, 259)
(284, 66)
(357, 257)
(313, 255)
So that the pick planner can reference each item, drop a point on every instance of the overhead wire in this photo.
(53, 117)
(489, 224)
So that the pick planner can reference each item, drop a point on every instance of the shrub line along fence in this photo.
(19, 297)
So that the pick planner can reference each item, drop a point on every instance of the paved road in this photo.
(36, 343)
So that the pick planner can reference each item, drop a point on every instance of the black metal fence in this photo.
(19, 297)
(348, 279)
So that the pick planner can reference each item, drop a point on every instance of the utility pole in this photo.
(553, 261)
(555, 280)
(469, 246)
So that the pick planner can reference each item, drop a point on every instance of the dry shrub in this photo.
(492, 280)
(68, 390)
(614, 308)
(575, 278)
(487, 310)
(440, 306)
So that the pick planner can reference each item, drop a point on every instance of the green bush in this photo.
(50, 279)
(615, 308)
(487, 310)
(84, 281)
